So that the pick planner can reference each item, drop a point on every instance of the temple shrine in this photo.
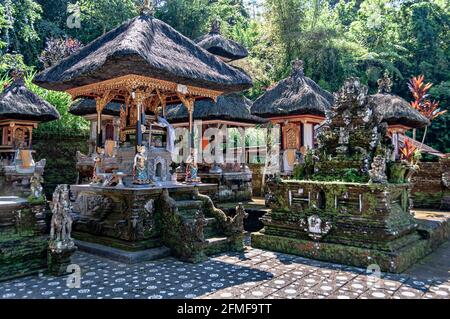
(132, 202)
(23, 206)
(230, 113)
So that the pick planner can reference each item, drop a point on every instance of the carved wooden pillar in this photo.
(189, 102)
(100, 104)
(139, 97)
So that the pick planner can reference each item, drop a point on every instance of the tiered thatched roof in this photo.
(394, 109)
(295, 95)
(83, 107)
(19, 103)
(216, 44)
(144, 46)
(232, 107)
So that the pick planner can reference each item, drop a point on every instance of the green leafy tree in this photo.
(21, 36)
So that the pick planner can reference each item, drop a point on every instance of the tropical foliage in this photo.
(335, 38)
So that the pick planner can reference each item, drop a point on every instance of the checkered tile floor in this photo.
(255, 274)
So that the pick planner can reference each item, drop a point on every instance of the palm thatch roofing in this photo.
(215, 43)
(19, 103)
(232, 107)
(144, 46)
(83, 107)
(295, 95)
(397, 111)
(394, 109)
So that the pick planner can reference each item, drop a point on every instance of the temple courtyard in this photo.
(255, 274)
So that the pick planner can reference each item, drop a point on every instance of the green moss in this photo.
(427, 200)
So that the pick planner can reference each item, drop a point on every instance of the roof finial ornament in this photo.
(298, 68)
(148, 8)
(385, 83)
(215, 26)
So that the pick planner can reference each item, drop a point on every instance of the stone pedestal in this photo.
(349, 223)
(59, 261)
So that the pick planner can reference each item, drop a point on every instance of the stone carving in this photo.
(97, 177)
(378, 171)
(192, 171)
(97, 206)
(61, 223)
(238, 220)
(36, 186)
(315, 227)
(185, 237)
(148, 220)
(385, 84)
(140, 171)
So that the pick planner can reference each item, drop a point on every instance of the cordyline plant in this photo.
(426, 107)
(410, 153)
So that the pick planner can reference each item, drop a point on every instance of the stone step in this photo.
(189, 204)
(127, 257)
(216, 245)
(216, 241)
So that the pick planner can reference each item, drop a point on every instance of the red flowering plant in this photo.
(422, 103)
(410, 153)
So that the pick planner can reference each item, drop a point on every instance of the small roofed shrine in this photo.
(23, 239)
(226, 49)
(145, 65)
(230, 113)
(20, 113)
(398, 114)
(297, 105)
(349, 202)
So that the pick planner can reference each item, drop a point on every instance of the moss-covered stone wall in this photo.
(428, 189)
(60, 153)
(257, 171)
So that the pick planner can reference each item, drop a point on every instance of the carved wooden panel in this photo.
(291, 135)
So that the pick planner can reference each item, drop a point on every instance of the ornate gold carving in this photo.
(102, 101)
(123, 122)
(132, 82)
(291, 134)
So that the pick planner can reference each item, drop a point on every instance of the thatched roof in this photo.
(295, 95)
(19, 103)
(232, 107)
(393, 109)
(216, 44)
(397, 111)
(83, 107)
(148, 47)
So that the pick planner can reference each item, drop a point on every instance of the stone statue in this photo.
(378, 172)
(385, 84)
(36, 185)
(61, 223)
(96, 177)
(140, 171)
(191, 170)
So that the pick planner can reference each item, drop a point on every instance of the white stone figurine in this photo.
(36, 185)
(61, 224)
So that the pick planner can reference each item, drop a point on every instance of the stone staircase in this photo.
(193, 228)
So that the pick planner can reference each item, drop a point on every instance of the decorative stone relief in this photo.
(315, 227)
(61, 223)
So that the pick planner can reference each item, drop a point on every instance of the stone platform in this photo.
(142, 218)
(350, 223)
(23, 242)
